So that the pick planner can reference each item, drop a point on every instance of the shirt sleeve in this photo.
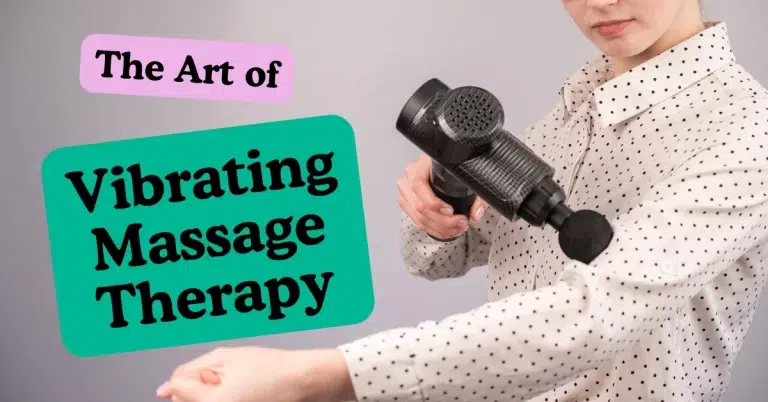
(684, 233)
(433, 259)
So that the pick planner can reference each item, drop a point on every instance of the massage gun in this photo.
(473, 155)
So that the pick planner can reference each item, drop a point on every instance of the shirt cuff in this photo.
(382, 368)
(416, 234)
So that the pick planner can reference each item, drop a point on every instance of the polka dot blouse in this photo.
(675, 154)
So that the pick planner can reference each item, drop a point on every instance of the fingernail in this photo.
(446, 211)
(162, 388)
(463, 225)
(479, 213)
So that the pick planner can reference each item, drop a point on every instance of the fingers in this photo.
(427, 198)
(419, 202)
(419, 169)
(418, 176)
(442, 225)
(209, 360)
(209, 377)
(478, 209)
(409, 201)
(163, 392)
(439, 216)
(204, 377)
(188, 389)
(198, 371)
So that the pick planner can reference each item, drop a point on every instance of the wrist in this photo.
(325, 377)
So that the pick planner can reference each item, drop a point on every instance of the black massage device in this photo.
(473, 155)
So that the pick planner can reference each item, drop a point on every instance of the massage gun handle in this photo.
(461, 205)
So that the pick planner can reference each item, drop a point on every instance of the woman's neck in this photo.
(682, 29)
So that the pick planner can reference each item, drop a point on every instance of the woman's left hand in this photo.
(252, 374)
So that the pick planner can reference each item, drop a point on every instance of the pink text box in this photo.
(272, 64)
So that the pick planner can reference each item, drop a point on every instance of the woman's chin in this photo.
(627, 45)
(619, 48)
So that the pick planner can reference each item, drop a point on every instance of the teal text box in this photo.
(258, 229)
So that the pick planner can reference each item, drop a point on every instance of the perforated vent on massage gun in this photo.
(470, 115)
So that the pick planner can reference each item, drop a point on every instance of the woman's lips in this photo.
(611, 28)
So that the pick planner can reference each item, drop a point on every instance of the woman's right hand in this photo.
(427, 211)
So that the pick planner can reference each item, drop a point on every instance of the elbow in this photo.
(434, 272)
(424, 271)
(422, 274)
(433, 261)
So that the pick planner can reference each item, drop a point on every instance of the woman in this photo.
(665, 134)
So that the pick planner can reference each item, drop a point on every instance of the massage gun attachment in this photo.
(462, 131)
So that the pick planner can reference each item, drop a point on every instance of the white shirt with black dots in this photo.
(675, 154)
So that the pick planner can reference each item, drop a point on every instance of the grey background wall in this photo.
(360, 59)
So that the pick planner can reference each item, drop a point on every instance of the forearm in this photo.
(324, 377)
(530, 342)
(437, 360)
(433, 259)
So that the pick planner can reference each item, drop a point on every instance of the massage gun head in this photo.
(451, 125)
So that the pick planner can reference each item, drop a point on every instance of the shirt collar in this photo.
(654, 81)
